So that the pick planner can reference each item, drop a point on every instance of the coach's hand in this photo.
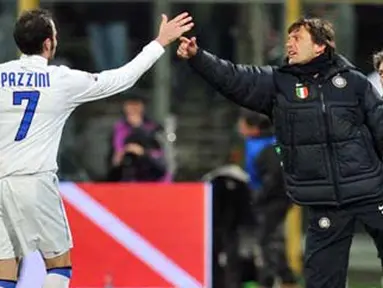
(173, 29)
(187, 48)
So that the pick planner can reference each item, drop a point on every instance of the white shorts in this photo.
(32, 217)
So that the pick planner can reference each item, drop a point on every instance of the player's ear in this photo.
(47, 44)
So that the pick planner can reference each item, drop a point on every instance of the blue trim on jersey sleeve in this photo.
(7, 284)
(65, 271)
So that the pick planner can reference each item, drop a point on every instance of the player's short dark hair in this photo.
(377, 59)
(321, 31)
(32, 28)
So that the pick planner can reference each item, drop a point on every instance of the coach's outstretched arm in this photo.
(249, 86)
(84, 87)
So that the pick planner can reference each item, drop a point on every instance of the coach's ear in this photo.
(319, 49)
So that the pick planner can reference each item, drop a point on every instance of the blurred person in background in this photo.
(270, 201)
(377, 234)
(329, 125)
(138, 154)
(374, 78)
(107, 28)
(377, 80)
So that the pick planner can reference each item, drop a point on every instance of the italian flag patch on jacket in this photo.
(301, 91)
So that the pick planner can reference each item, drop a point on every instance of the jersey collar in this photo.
(35, 59)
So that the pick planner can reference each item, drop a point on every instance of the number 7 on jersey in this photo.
(32, 97)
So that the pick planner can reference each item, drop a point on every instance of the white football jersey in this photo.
(36, 99)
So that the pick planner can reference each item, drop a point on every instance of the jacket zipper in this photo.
(329, 145)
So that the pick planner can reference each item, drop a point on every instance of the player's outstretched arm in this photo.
(88, 87)
(249, 86)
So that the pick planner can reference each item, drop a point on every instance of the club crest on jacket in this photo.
(339, 81)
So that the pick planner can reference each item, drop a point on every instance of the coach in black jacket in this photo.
(329, 124)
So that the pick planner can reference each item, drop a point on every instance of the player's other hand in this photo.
(187, 48)
(173, 29)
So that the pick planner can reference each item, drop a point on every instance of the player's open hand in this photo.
(187, 48)
(173, 29)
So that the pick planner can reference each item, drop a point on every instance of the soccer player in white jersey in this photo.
(35, 101)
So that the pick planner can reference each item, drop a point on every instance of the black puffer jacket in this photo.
(330, 128)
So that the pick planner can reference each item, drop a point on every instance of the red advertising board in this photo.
(139, 235)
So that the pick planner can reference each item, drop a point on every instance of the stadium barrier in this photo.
(135, 235)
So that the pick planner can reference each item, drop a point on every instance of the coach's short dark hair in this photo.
(377, 59)
(31, 30)
(321, 31)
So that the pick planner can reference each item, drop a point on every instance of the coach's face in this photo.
(300, 47)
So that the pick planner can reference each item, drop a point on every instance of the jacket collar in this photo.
(331, 66)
